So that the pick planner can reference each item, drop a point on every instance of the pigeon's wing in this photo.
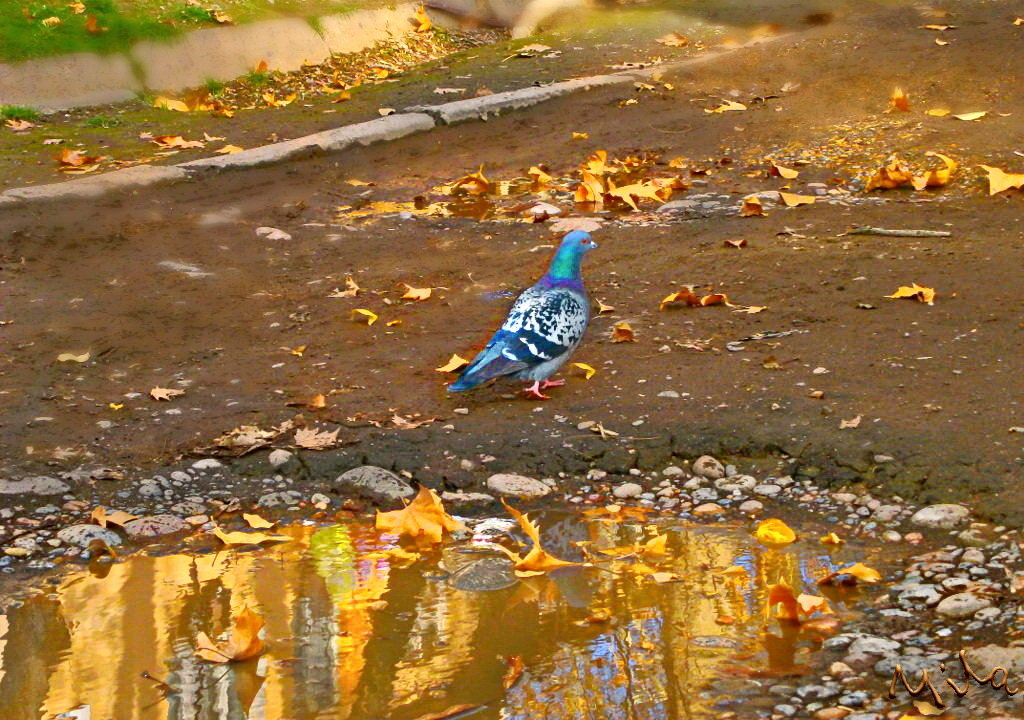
(543, 324)
(552, 325)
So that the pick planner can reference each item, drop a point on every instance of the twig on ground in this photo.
(867, 230)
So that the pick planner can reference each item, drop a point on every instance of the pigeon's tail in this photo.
(487, 366)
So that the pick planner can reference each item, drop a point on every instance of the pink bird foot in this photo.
(534, 392)
(545, 384)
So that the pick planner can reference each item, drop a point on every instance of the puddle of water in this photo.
(354, 632)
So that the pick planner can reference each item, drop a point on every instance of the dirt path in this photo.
(936, 387)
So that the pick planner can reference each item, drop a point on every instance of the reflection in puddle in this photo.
(355, 631)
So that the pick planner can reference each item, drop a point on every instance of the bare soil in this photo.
(937, 388)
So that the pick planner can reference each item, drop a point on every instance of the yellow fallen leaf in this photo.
(351, 289)
(602, 308)
(858, 572)
(1018, 21)
(256, 522)
(101, 517)
(895, 173)
(415, 294)
(940, 28)
(792, 199)
(622, 332)
(580, 136)
(474, 183)
(589, 190)
(539, 177)
(169, 104)
(271, 99)
(513, 672)
(751, 207)
(51, 21)
(899, 101)
(674, 39)
(312, 439)
(1000, 180)
(664, 577)
(423, 520)
(537, 561)
(940, 42)
(727, 106)
(776, 170)
(915, 292)
(296, 351)
(851, 424)
(937, 112)
(115, 406)
(244, 643)
(832, 539)
(421, 20)
(455, 363)
(774, 532)
(160, 393)
(971, 115)
(238, 538)
(229, 150)
(362, 315)
(71, 357)
(588, 372)
(936, 178)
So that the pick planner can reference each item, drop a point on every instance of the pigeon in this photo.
(542, 329)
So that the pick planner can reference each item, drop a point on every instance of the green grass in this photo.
(125, 22)
(102, 121)
(17, 112)
(258, 78)
(214, 86)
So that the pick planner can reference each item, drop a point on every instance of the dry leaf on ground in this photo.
(162, 393)
(793, 200)
(751, 207)
(586, 370)
(311, 439)
(1000, 180)
(415, 294)
(72, 357)
(351, 289)
(244, 643)
(363, 315)
(623, 332)
(915, 292)
(899, 101)
(455, 363)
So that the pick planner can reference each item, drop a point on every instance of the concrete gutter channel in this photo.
(419, 118)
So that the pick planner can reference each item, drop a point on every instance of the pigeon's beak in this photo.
(593, 245)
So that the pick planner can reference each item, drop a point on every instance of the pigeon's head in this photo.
(578, 242)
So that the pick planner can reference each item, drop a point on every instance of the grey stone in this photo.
(187, 508)
(150, 490)
(703, 495)
(517, 485)
(154, 526)
(481, 108)
(489, 573)
(736, 482)
(961, 605)
(320, 499)
(943, 517)
(919, 594)
(708, 467)
(279, 457)
(373, 483)
(83, 534)
(207, 464)
(38, 485)
(912, 665)
(983, 659)
(467, 498)
(816, 692)
(887, 513)
(767, 490)
(677, 206)
(752, 506)
(284, 497)
(673, 471)
(872, 645)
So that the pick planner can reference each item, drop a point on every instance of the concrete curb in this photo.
(221, 53)
(419, 118)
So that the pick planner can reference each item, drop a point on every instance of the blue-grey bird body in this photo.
(543, 328)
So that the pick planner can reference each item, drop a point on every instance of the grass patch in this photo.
(214, 86)
(258, 78)
(17, 112)
(102, 121)
(40, 28)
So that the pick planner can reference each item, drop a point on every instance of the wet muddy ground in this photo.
(174, 288)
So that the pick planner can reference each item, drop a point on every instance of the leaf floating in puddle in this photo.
(774, 532)
(514, 671)
(538, 561)
(424, 519)
(239, 538)
(452, 712)
(832, 539)
(244, 644)
(256, 522)
(856, 573)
